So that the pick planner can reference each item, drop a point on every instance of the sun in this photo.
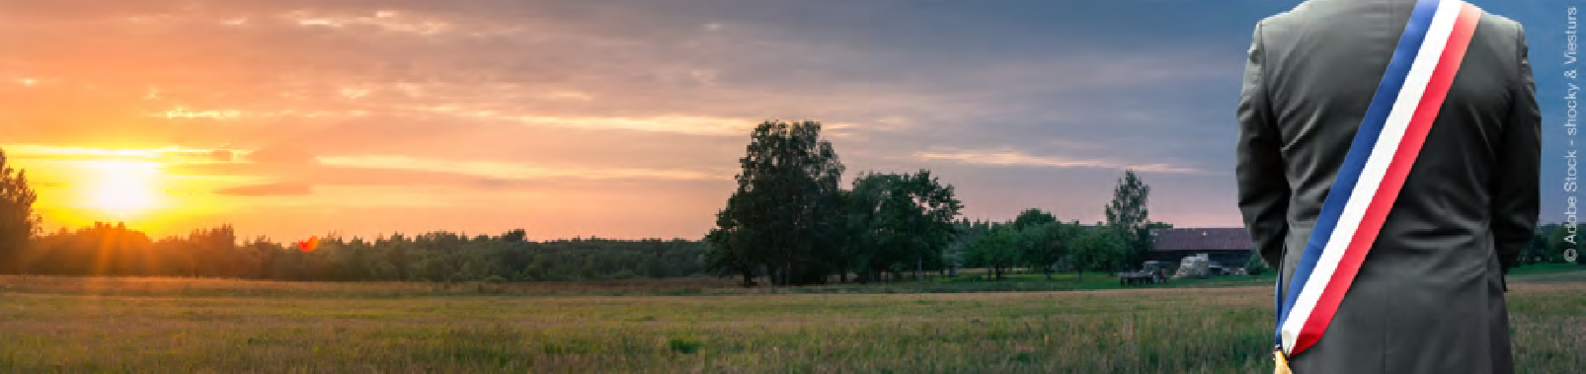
(123, 188)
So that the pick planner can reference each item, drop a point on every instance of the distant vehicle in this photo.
(1218, 269)
(1151, 272)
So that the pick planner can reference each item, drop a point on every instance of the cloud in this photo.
(697, 125)
(268, 189)
(629, 70)
(293, 167)
(73, 153)
(382, 20)
(616, 99)
(285, 155)
(501, 170)
(1008, 157)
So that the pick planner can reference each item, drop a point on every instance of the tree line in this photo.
(1037, 242)
(791, 222)
(115, 250)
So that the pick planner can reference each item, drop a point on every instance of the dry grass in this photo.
(190, 287)
(1223, 330)
(174, 286)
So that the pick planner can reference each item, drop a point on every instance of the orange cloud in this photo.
(268, 189)
(503, 170)
(1009, 157)
(75, 153)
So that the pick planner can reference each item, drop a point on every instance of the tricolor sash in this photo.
(1390, 136)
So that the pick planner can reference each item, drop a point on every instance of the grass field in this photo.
(50, 324)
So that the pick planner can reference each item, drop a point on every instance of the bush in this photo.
(1256, 266)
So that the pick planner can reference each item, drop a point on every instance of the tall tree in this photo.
(18, 223)
(778, 215)
(864, 250)
(932, 230)
(901, 221)
(1128, 213)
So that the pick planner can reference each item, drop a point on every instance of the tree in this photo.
(1129, 215)
(1040, 243)
(932, 227)
(730, 252)
(1563, 237)
(514, 236)
(956, 255)
(900, 221)
(1539, 245)
(997, 250)
(213, 252)
(863, 252)
(1098, 248)
(265, 253)
(1031, 218)
(1046, 244)
(777, 217)
(396, 254)
(18, 223)
(1255, 265)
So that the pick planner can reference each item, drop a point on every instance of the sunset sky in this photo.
(623, 118)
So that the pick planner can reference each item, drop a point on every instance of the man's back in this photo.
(1428, 297)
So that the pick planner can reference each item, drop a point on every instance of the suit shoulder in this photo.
(1499, 24)
(1285, 16)
(1303, 15)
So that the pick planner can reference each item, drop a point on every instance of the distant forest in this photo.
(106, 249)
(115, 250)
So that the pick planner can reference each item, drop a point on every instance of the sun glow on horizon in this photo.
(123, 189)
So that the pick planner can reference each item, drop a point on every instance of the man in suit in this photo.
(1429, 295)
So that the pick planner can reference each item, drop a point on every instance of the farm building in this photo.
(1228, 246)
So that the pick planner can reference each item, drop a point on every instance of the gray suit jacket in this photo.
(1429, 297)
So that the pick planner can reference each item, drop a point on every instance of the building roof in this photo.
(1201, 239)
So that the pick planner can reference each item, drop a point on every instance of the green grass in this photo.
(1547, 269)
(46, 325)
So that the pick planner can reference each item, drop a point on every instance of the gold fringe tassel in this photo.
(1283, 363)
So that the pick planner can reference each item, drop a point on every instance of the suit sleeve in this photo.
(1516, 182)
(1263, 185)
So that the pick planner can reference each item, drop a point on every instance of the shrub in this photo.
(1256, 266)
